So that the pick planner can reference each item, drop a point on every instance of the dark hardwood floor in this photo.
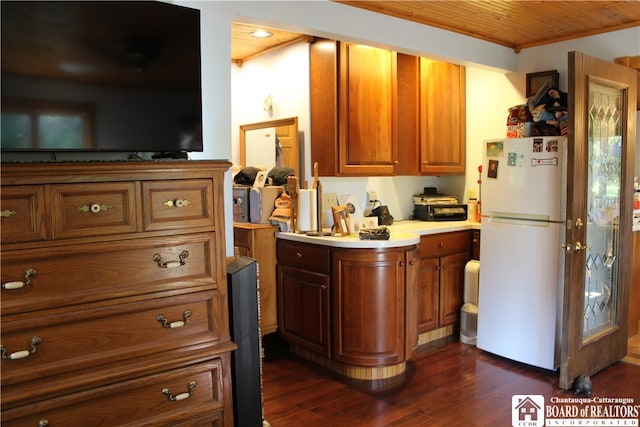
(451, 385)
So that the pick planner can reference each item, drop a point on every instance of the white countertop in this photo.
(403, 233)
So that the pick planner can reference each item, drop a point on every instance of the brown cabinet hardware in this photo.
(171, 264)
(20, 354)
(176, 324)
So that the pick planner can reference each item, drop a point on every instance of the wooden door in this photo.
(428, 294)
(303, 317)
(368, 311)
(368, 136)
(451, 287)
(599, 207)
(442, 118)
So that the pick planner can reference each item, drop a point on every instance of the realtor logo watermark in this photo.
(531, 410)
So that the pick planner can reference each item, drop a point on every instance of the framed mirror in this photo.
(269, 144)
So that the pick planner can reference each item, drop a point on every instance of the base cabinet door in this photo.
(258, 241)
(451, 287)
(305, 321)
(441, 279)
(428, 294)
(368, 306)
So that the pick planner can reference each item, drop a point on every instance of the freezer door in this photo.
(518, 295)
(524, 176)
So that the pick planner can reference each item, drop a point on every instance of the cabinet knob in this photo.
(298, 255)
(180, 203)
(94, 208)
(441, 244)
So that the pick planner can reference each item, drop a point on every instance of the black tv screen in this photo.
(100, 76)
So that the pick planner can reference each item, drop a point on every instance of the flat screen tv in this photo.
(100, 76)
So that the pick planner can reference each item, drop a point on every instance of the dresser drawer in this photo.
(22, 214)
(315, 258)
(92, 209)
(177, 204)
(107, 335)
(76, 274)
(197, 390)
(436, 245)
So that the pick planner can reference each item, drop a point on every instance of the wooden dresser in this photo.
(258, 241)
(114, 297)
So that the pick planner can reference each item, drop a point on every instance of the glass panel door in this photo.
(603, 208)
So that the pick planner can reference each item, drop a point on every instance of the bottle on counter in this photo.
(472, 209)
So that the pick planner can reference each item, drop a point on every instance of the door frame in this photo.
(578, 356)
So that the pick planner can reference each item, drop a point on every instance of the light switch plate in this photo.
(329, 199)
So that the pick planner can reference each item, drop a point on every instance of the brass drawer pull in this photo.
(18, 284)
(178, 323)
(171, 264)
(93, 208)
(182, 396)
(20, 354)
(43, 423)
(7, 213)
(178, 203)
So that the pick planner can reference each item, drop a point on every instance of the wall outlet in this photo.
(329, 199)
(371, 196)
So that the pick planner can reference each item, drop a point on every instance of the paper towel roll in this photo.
(307, 210)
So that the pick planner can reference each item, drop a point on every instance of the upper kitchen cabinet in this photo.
(442, 118)
(375, 112)
(353, 109)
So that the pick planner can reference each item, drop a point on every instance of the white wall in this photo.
(282, 74)
(488, 95)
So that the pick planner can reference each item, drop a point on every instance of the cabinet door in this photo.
(303, 308)
(258, 241)
(323, 100)
(368, 306)
(442, 118)
(428, 289)
(451, 286)
(368, 135)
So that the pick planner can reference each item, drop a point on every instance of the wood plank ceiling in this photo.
(511, 23)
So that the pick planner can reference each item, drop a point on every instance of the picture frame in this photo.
(261, 179)
(341, 220)
(536, 80)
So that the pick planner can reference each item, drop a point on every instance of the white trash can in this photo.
(469, 310)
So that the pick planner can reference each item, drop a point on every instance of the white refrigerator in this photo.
(521, 261)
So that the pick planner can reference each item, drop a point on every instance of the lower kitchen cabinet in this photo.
(348, 305)
(258, 241)
(369, 305)
(441, 279)
(304, 295)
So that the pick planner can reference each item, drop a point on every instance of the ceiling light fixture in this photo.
(261, 34)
